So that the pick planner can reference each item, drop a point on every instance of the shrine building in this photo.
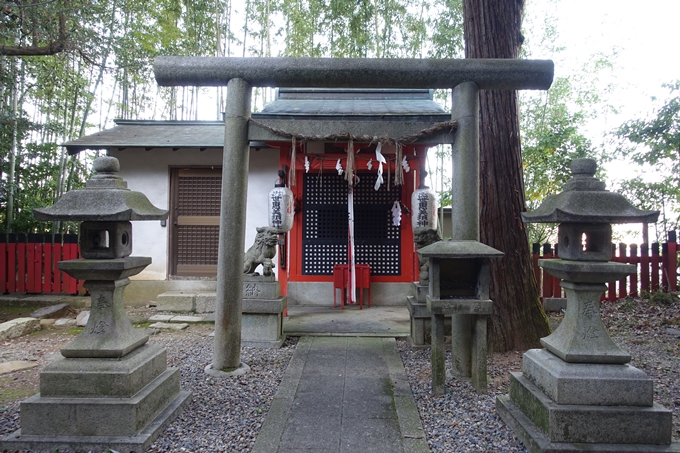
(306, 133)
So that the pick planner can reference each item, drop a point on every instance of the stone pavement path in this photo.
(343, 394)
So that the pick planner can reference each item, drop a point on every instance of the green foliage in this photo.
(553, 123)
(654, 144)
(551, 140)
(659, 297)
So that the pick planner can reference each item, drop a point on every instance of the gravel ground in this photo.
(227, 415)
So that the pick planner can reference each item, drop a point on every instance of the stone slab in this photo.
(205, 302)
(187, 319)
(161, 318)
(48, 416)
(588, 423)
(96, 444)
(261, 290)
(16, 365)
(592, 384)
(272, 306)
(53, 311)
(179, 301)
(169, 326)
(459, 306)
(90, 378)
(535, 440)
(65, 322)
(18, 327)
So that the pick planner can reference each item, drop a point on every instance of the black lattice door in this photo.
(196, 220)
(325, 227)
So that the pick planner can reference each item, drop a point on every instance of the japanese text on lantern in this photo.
(423, 209)
(277, 218)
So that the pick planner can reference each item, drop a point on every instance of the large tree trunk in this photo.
(493, 30)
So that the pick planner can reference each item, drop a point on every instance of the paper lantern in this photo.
(281, 204)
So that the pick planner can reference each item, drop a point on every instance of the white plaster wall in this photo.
(149, 172)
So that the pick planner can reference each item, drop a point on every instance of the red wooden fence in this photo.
(29, 265)
(656, 271)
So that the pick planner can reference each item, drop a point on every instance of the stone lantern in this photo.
(459, 287)
(579, 393)
(111, 389)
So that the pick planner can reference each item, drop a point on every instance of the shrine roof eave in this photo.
(203, 135)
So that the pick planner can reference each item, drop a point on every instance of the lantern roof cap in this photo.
(105, 198)
(585, 200)
(459, 249)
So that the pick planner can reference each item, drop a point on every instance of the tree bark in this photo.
(493, 30)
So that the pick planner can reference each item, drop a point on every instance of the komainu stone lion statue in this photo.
(262, 251)
(422, 237)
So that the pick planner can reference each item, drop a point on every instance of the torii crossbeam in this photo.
(465, 77)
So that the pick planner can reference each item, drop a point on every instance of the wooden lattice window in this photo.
(195, 216)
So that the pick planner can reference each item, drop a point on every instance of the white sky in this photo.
(644, 35)
(646, 39)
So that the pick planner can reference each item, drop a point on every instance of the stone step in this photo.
(177, 318)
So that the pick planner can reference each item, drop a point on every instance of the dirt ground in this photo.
(648, 330)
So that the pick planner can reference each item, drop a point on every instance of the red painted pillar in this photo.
(3, 263)
(634, 277)
(644, 267)
(623, 258)
(655, 266)
(546, 290)
(672, 261)
(12, 263)
(47, 264)
(535, 253)
(611, 286)
(57, 249)
(21, 263)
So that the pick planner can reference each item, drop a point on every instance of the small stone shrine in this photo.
(459, 286)
(580, 393)
(111, 390)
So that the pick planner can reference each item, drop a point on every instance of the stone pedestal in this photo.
(468, 341)
(111, 389)
(555, 406)
(580, 393)
(263, 306)
(421, 334)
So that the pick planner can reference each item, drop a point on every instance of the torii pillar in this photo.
(465, 77)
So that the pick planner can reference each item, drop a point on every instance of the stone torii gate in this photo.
(465, 78)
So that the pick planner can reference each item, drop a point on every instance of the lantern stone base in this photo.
(262, 322)
(554, 406)
(96, 404)
(421, 334)
(468, 340)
